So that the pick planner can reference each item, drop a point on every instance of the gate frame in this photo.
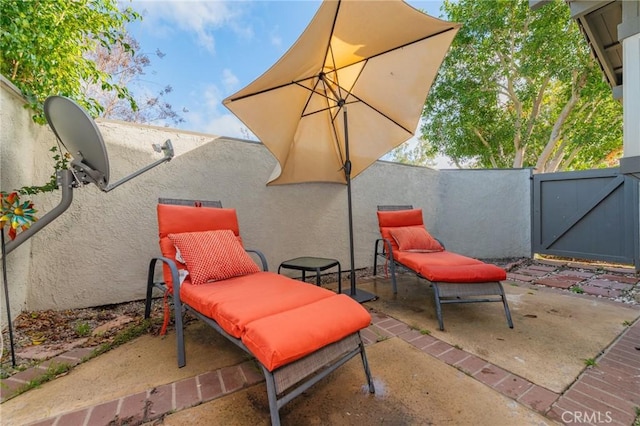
(631, 203)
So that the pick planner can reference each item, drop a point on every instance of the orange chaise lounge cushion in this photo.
(446, 266)
(437, 266)
(282, 338)
(235, 302)
(174, 219)
(279, 319)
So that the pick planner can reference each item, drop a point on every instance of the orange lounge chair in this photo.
(298, 333)
(455, 278)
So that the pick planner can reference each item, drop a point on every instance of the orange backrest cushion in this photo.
(413, 238)
(213, 255)
(388, 220)
(175, 219)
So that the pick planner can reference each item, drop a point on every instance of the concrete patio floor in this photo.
(476, 372)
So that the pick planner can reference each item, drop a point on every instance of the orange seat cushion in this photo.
(280, 339)
(235, 302)
(446, 266)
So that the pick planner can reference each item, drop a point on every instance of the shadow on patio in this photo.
(478, 371)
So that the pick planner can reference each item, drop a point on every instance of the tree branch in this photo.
(486, 145)
(578, 82)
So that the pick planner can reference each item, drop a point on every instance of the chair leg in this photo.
(272, 396)
(436, 292)
(393, 276)
(177, 309)
(365, 364)
(147, 303)
(507, 312)
(375, 259)
(388, 255)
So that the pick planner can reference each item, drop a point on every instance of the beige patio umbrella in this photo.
(376, 59)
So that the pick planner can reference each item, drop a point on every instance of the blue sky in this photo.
(214, 48)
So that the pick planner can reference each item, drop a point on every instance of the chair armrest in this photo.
(386, 247)
(263, 259)
(161, 285)
(175, 276)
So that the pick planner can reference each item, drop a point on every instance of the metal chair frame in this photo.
(284, 383)
(444, 292)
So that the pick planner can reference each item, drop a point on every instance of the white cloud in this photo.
(208, 115)
(230, 80)
(275, 37)
(228, 125)
(198, 18)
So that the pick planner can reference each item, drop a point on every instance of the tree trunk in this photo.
(579, 82)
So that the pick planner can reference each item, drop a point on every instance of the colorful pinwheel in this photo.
(15, 214)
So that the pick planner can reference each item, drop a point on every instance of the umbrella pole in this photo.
(359, 295)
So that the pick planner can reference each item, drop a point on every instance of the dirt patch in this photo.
(40, 335)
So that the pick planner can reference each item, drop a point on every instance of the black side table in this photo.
(311, 264)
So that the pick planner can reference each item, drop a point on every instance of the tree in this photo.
(519, 89)
(126, 67)
(44, 45)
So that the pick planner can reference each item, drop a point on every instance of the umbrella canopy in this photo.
(376, 58)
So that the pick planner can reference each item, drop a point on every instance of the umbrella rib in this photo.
(336, 69)
(409, 43)
(270, 89)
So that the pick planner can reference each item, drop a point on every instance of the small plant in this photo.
(590, 362)
(626, 323)
(576, 289)
(52, 372)
(381, 338)
(425, 331)
(83, 329)
(124, 336)
(457, 347)
(513, 284)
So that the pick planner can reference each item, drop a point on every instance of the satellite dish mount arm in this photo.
(86, 174)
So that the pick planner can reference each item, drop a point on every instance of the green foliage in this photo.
(126, 335)
(44, 51)
(53, 371)
(45, 43)
(576, 289)
(83, 329)
(518, 88)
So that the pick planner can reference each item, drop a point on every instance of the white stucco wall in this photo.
(98, 251)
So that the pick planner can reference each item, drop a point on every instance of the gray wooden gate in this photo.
(589, 214)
